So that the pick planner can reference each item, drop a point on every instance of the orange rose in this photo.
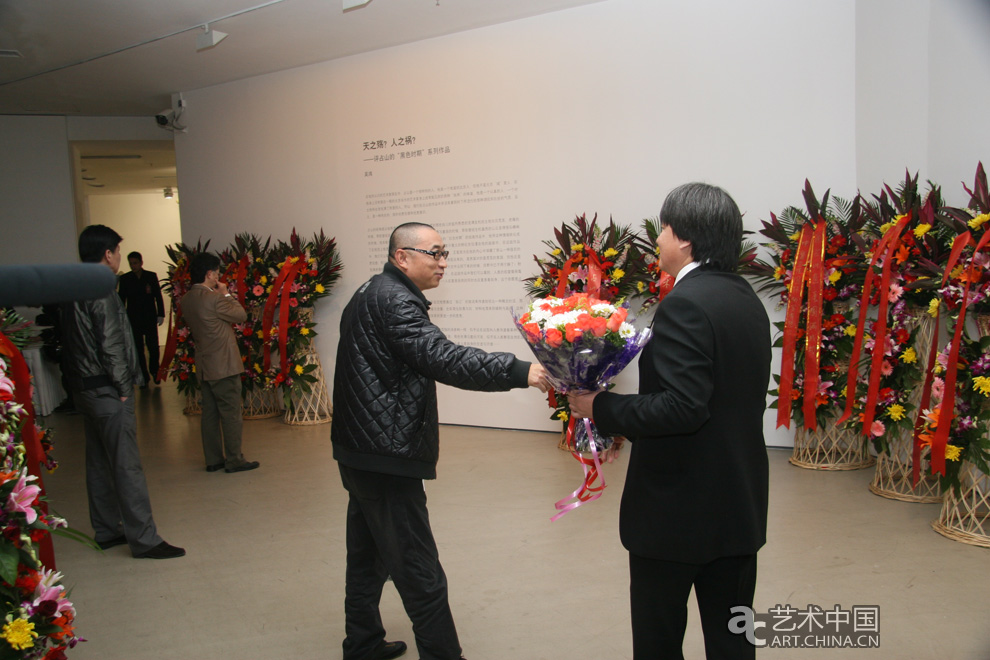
(597, 324)
(532, 332)
(572, 332)
(554, 337)
(617, 319)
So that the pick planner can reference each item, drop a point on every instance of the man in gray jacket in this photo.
(386, 441)
(102, 368)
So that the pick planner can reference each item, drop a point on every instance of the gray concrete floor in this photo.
(263, 578)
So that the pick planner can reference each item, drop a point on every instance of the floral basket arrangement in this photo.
(179, 357)
(833, 283)
(275, 283)
(583, 343)
(38, 618)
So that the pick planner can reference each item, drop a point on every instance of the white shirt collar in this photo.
(684, 271)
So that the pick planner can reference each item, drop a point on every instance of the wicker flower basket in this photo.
(830, 448)
(262, 403)
(311, 407)
(194, 404)
(893, 478)
(965, 515)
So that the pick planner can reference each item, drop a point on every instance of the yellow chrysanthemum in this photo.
(779, 272)
(953, 452)
(794, 236)
(610, 252)
(933, 307)
(261, 334)
(909, 356)
(257, 367)
(850, 331)
(194, 368)
(556, 252)
(640, 286)
(304, 331)
(299, 370)
(319, 288)
(884, 228)
(538, 281)
(834, 276)
(618, 274)
(896, 412)
(563, 416)
(981, 384)
(20, 634)
(921, 230)
(979, 221)
(269, 289)
(956, 272)
(577, 247)
(264, 279)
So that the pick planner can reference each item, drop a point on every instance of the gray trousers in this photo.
(222, 420)
(118, 493)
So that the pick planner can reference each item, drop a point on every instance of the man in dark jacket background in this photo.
(142, 296)
(102, 367)
(385, 435)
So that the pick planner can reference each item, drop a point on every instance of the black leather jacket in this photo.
(388, 361)
(99, 345)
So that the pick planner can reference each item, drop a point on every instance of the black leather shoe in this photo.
(244, 467)
(161, 551)
(214, 468)
(391, 650)
(111, 543)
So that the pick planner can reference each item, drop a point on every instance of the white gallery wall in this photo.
(600, 109)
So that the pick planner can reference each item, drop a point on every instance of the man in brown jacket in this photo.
(209, 309)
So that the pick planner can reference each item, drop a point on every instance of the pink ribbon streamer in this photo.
(586, 492)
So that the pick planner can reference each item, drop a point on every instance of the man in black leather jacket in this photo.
(386, 440)
(102, 367)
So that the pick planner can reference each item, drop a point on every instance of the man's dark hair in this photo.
(201, 264)
(135, 255)
(95, 240)
(403, 235)
(708, 217)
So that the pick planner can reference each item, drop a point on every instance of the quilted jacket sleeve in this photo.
(425, 348)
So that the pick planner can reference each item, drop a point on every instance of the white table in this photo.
(47, 377)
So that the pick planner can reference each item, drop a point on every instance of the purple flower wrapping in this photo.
(589, 364)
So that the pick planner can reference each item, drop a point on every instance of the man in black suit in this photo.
(694, 508)
(142, 296)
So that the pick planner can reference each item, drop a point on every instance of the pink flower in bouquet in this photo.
(938, 388)
(878, 428)
(21, 499)
(258, 290)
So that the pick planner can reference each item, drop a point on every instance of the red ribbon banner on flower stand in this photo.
(242, 265)
(594, 285)
(808, 267)
(171, 343)
(32, 445)
(281, 289)
(886, 249)
(960, 242)
(947, 409)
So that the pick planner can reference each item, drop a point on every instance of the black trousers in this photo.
(389, 534)
(659, 592)
(146, 337)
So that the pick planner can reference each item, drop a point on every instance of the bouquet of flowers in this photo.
(583, 343)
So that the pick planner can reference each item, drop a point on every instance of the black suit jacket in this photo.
(696, 488)
(143, 298)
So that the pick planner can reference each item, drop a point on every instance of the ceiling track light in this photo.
(209, 38)
(168, 193)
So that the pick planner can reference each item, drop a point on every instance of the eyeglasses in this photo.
(436, 254)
